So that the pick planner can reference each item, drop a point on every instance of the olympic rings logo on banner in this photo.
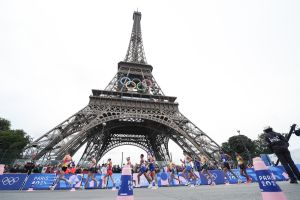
(10, 180)
(136, 84)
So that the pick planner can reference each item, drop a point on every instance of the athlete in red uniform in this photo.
(109, 173)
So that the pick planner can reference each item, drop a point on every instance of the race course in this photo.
(223, 192)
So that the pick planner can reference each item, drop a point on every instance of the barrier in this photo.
(75, 179)
(250, 172)
(217, 177)
(91, 184)
(163, 179)
(126, 190)
(268, 187)
(12, 181)
(39, 181)
(44, 181)
(279, 173)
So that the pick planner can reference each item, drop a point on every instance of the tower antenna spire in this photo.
(135, 52)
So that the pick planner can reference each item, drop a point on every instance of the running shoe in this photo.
(70, 183)
(154, 187)
(150, 185)
(192, 185)
(113, 188)
(137, 186)
(240, 181)
(52, 187)
(249, 181)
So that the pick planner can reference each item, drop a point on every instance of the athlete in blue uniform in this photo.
(226, 167)
(152, 173)
(188, 169)
(143, 170)
(197, 165)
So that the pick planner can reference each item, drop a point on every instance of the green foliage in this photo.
(240, 144)
(261, 146)
(12, 142)
(246, 147)
(4, 124)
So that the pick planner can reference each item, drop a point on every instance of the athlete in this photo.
(131, 166)
(143, 171)
(103, 174)
(65, 163)
(187, 172)
(204, 164)
(92, 170)
(173, 171)
(226, 168)
(197, 168)
(152, 173)
(109, 173)
(128, 162)
(72, 171)
(197, 165)
(242, 166)
(72, 168)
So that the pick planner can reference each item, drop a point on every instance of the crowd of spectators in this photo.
(30, 167)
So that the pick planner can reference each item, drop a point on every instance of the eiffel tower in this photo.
(131, 110)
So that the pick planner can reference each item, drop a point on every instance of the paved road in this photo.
(230, 192)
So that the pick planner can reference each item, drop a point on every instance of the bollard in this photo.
(126, 189)
(269, 189)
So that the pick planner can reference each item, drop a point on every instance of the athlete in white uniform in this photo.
(131, 166)
(103, 173)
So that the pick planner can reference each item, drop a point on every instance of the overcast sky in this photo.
(232, 64)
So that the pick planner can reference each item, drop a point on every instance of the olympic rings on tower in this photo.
(136, 84)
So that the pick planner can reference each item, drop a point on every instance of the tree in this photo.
(261, 146)
(4, 124)
(12, 142)
(240, 144)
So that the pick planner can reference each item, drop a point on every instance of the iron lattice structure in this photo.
(132, 110)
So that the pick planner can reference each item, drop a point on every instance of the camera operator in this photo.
(279, 145)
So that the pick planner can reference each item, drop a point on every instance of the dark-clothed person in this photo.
(279, 145)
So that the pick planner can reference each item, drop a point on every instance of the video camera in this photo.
(297, 132)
